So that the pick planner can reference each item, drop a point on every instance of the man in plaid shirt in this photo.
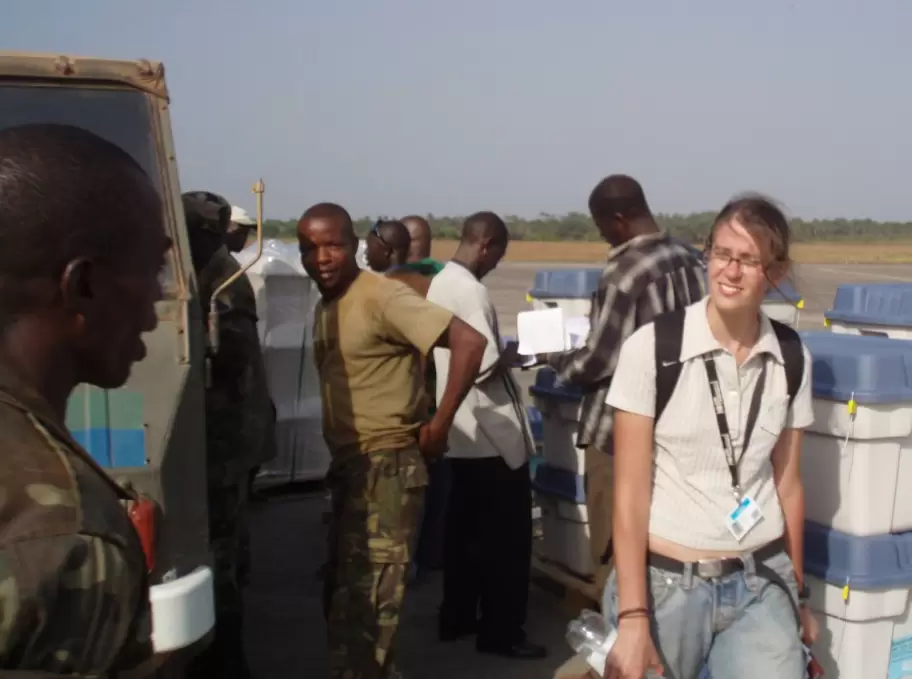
(647, 273)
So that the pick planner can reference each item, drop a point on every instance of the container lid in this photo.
(560, 483)
(868, 369)
(873, 304)
(565, 283)
(871, 562)
(547, 386)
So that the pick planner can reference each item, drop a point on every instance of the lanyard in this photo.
(715, 388)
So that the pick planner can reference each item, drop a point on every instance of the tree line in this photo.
(576, 226)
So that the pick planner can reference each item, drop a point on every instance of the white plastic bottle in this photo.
(591, 636)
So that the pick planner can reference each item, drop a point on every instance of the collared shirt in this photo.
(645, 277)
(75, 595)
(491, 421)
(692, 491)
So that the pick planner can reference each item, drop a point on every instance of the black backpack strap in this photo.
(792, 355)
(669, 333)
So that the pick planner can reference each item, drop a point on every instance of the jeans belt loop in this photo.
(687, 576)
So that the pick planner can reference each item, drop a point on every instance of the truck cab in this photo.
(149, 434)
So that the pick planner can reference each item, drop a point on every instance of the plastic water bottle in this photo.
(591, 636)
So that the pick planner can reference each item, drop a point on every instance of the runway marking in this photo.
(859, 274)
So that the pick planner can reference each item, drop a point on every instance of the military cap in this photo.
(205, 210)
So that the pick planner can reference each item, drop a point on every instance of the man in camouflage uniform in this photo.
(261, 411)
(227, 426)
(369, 332)
(79, 278)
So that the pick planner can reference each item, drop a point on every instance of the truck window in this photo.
(121, 116)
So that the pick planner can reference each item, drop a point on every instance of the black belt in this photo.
(716, 568)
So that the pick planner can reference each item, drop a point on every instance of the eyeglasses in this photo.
(725, 257)
(375, 231)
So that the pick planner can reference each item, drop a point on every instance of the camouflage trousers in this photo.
(376, 501)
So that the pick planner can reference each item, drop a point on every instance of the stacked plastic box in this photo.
(872, 309)
(559, 480)
(858, 533)
(286, 298)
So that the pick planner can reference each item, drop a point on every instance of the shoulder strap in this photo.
(669, 332)
(792, 355)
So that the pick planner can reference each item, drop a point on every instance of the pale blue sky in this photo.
(520, 106)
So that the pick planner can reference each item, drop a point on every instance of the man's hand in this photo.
(432, 439)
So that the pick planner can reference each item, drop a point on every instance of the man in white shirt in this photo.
(489, 517)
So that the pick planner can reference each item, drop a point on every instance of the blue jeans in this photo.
(741, 625)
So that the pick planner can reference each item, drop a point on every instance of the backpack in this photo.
(669, 332)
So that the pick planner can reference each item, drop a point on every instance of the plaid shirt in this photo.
(647, 276)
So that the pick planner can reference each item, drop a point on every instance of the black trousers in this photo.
(488, 549)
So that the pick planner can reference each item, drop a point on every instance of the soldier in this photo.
(226, 439)
(239, 229)
(261, 411)
(368, 333)
(79, 278)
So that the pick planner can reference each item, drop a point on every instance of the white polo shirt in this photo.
(692, 492)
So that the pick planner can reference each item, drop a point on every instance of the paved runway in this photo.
(285, 631)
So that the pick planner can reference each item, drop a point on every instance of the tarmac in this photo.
(285, 633)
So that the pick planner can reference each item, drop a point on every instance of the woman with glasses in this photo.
(708, 504)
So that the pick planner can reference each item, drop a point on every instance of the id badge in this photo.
(742, 519)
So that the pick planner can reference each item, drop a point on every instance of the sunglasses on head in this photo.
(375, 230)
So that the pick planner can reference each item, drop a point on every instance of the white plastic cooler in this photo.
(559, 409)
(857, 456)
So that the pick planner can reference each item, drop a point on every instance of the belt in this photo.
(716, 568)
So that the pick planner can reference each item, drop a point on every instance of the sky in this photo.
(391, 107)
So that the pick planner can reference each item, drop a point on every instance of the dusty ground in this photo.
(285, 632)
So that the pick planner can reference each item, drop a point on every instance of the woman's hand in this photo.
(634, 652)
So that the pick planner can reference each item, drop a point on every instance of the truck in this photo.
(149, 435)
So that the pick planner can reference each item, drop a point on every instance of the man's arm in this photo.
(426, 325)
(594, 362)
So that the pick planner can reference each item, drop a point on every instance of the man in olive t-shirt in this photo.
(369, 334)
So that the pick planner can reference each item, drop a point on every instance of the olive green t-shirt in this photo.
(366, 348)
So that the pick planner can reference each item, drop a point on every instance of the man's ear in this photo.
(78, 284)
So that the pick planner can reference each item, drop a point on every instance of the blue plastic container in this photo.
(875, 304)
(565, 283)
(547, 387)
(560, 483)
(869, 369)
(871, 562)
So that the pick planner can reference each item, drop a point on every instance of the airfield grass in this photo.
(850, 252)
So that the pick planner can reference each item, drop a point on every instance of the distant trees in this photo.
(693, 227)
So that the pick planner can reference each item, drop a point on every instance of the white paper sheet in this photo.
(546, 331)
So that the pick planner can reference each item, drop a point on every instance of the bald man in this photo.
(369, 331)
(420, 259)
(489, 516)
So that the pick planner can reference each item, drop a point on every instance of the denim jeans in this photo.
(741, 625)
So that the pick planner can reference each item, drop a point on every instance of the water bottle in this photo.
(591, 636)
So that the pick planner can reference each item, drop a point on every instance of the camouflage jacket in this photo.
(240, 427)
(74, 593)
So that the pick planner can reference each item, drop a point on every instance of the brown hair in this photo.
(762, 218)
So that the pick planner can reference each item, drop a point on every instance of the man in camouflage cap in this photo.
(228, 435)
(79, 277)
